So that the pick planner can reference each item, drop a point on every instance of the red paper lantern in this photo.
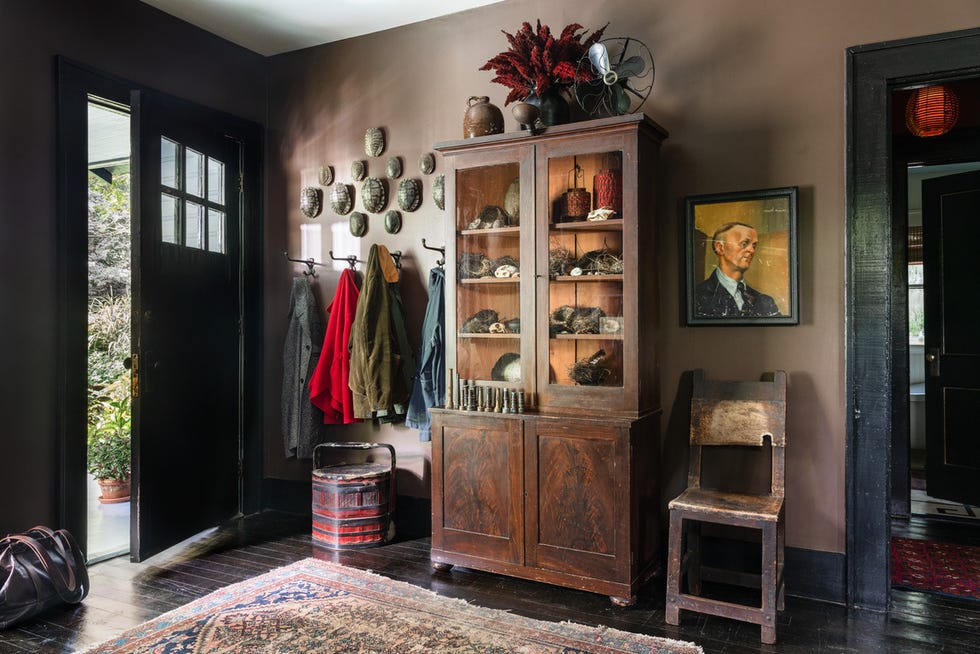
(932, 111)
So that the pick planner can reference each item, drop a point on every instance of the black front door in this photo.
(186, 315)
(951, 234)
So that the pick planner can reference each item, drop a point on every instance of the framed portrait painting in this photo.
(742, 258)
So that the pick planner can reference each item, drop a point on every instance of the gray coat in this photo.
(301, 421)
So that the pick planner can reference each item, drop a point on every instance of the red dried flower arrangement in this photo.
(538, 61)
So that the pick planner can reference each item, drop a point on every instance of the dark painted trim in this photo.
(873, 71)
(74, 83)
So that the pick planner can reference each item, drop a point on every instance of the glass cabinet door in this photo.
(585, 269)
(488, 274)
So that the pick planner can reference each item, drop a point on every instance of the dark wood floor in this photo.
(125, 594)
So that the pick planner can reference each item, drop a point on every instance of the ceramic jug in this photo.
(482, 118)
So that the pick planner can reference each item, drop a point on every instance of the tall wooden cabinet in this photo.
(546, 465)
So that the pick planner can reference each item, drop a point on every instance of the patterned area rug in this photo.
(318, 606)
(945, 568)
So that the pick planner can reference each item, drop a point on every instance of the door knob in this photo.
(932, 357)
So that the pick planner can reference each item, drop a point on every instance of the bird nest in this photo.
(600, 262)
(559, 261)
(480, 322)
(474, 265)
(589, 371)
(575, 320)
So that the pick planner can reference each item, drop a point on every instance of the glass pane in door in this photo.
(488, 307)
(586, 272)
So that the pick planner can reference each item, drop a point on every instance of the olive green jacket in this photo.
(377, 364)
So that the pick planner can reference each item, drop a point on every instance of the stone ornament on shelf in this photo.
(409, 194)
(357, 223)
(309, 201)
(439, 191)
(394, 167)
(358, 169)
(326, 175)
(374, 141)
(512, 202)
(374, 195)
(427, 163)
(340, 199)
(393, 221)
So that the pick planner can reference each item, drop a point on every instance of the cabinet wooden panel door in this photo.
(477, 498)
(577, 478)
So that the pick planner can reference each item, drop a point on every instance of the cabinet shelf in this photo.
(588, 337)
(587, 278)
(611, 225)
(493, 231)
(482, 335)
(491, 280)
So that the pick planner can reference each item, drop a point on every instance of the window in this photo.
(917, 318)
(192, 199)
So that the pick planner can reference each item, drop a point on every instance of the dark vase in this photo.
(554, 108)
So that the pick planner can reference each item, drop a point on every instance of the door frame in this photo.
(75, 82)
(871, 279)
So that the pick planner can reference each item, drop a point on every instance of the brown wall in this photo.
(753, 94)
(129, 40)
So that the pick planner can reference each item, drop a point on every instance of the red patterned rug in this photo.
(318, 606)
(945, 568)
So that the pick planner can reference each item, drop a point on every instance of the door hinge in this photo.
(241, 182)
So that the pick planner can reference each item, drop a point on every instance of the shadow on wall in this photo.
(675, 445)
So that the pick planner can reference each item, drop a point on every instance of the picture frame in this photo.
(744, 236)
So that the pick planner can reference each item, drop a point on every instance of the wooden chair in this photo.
(731, 414)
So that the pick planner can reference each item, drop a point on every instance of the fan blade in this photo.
(620, 101)
(599, 58)
(631, 67)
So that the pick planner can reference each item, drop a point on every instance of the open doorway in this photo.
(876, 333)
(196, 334)
(109, 403)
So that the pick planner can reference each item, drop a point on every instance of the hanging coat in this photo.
(328, 384)
(301, 351)
(377, 380)
(429, 388)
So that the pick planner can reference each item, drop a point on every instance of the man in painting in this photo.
(724, 294)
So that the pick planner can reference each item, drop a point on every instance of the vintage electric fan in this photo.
(615, 77)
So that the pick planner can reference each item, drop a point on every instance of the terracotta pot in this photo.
(114, 490)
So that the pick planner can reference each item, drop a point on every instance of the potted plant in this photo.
(539, 67)
(109, 447)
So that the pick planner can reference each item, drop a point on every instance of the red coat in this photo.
(328, 383)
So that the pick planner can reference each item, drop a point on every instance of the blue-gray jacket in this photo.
(429, 387)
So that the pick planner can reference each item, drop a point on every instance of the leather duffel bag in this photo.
(39, 569)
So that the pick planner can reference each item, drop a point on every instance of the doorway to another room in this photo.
(109, 403)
